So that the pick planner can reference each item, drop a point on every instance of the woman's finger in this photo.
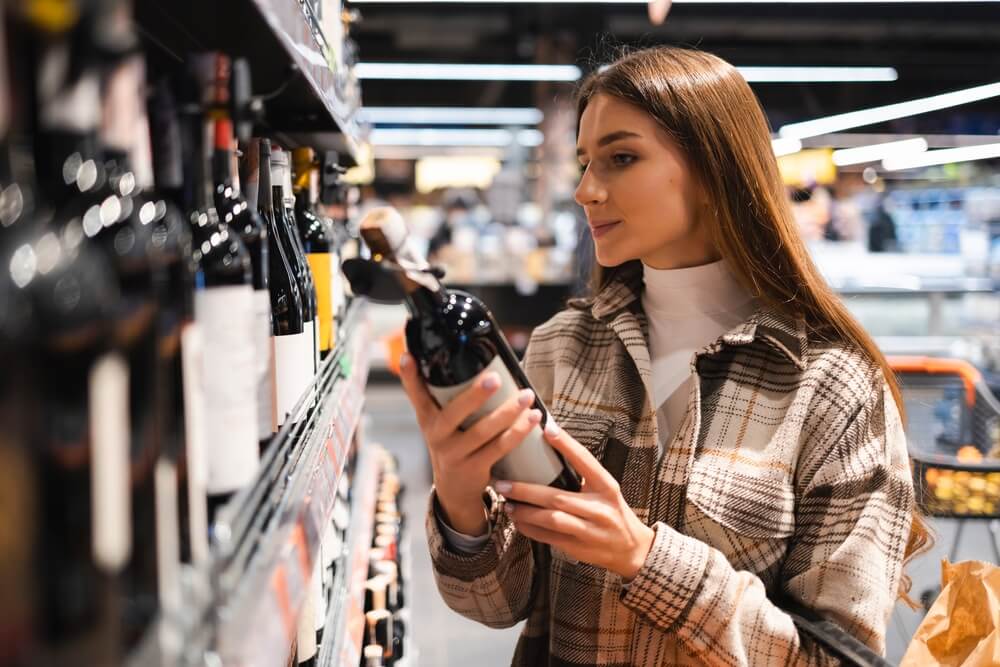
(423, 404)
(487, 454)
(556, 521)
(597, 477)
(494, 424)
(550, 498)
(463, 406)
(559, 541)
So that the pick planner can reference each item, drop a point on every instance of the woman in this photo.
(738, 432)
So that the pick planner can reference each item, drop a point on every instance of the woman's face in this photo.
(640, 196)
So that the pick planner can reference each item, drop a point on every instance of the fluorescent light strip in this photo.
(451, 115)
(846, 121)
(876, 152)
(456, 137)
(945, 156)
(785, 146)
(464, 72)
(817, 74)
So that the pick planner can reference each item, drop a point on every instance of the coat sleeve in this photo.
(497, 585)
(844, 560)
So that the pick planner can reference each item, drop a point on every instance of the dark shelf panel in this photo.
(304, 102)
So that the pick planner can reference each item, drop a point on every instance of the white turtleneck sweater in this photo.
(687, 309)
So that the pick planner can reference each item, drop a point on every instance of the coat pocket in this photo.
(755, 503)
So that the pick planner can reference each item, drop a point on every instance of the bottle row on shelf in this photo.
(159, 325)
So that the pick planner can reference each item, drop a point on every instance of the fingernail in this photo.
(404, 360)
(525, 398)
(491, 382)
(535, 416)
(503, 487)
(508, 507)
(551, 428)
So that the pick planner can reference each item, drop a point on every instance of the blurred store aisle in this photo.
(445, 639)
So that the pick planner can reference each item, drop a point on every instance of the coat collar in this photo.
(785, 334)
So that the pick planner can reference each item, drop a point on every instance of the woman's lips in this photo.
(599, 230)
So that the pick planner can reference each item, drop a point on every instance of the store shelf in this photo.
(306, 100)
(243, 606)
(267, 538)
(346, 619)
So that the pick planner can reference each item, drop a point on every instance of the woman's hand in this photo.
(461, 460)
(595, 526)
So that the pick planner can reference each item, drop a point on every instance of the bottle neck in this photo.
(222, 158)
(165, 137)
(202, 163)
(424, 295)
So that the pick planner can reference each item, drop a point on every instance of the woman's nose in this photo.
(589, 191)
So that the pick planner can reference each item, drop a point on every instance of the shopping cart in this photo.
(953, 431)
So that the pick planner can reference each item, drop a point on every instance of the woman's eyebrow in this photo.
(610, 139)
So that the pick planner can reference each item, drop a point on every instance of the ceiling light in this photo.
(454, 137)
(817, 74)
(945, 156)
(450, 116)
(876, 152)
(845, 121)
(464, 72)
(785, 146)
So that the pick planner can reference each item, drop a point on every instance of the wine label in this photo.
(194, 435)
(262, 350)
(534, 460)
(226, 316)
(292, 371)
(320, 264)
(111, 504)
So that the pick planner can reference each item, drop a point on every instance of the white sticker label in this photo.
(111, 509)
(194, 434)
(226, 316)
(534, 460)
(292, 371)
(262, 347)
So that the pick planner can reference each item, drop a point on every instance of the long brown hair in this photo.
(710, 112)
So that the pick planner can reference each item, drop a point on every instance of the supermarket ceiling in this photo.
(934, 47)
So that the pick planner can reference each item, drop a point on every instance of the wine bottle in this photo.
(287, 202)
(236, 213)
(317, 241)
(79, 423)
(185, 435)
(223, 307)
(292, 345)
(293, 252)
(454, 338)
(152, 574)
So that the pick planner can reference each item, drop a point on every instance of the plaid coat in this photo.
(789, 476)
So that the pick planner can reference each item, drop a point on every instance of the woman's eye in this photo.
(622, 159)
(583, 168)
